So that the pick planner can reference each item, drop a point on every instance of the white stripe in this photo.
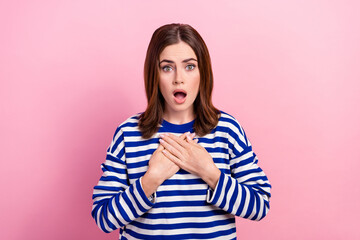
(228, 196)
(171, 232)
(246, 204)
(254, 208)
(185, 198)
(138, 196)
(237, 200)
(112, 219)
(248, 176)
(185, 209)
(117, 212)
(184, 220)
(222, 191)
(261, 209)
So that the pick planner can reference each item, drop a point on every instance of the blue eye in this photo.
(190, 67)
(166, 68)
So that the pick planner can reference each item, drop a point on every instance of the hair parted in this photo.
(207, 116)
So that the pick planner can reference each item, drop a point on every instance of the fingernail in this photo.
(193, 134)
(161, 135)
(161, 140)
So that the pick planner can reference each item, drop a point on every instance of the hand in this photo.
(160, 169)
(190, 156)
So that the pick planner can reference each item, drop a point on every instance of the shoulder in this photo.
(129, 125)
(231, 123)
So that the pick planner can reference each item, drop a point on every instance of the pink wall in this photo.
(71, 71)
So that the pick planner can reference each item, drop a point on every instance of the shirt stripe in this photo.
(184, 206)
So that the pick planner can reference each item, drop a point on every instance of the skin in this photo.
(179, 70)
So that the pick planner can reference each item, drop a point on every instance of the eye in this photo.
(190, 67)
(166, 68)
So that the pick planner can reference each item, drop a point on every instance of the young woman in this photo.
(182, 169)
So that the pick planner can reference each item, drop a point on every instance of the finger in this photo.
(170, 147)
(183, 136)
(160, 147)
(174, 141)
(191, 139)
(172, 158)
(179, 141)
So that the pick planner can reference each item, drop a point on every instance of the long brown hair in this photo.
(207, 116)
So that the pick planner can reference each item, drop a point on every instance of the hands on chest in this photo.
(175, 152)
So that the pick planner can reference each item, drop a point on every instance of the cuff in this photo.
(213, 196)
(136, 199)
(148, 200)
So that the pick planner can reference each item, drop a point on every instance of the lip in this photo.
(179, 90)
(177, 100)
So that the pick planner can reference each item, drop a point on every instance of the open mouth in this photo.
(179, 95)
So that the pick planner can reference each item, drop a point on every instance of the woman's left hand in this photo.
(191, 157)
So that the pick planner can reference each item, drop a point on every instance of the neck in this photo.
(180, 117)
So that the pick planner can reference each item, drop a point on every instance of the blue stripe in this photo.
(183, 214)
(180, 193)
(114, 169)
(110, 157)
(138, 164)
(227, 188)
(129, 204)
(233, 197)
(247, 172)
(183, 225)
(183, 181)
(138, 204)
(127, 168)
(251, 202)
(120, 209)
(242, 200)
(140, 153)
(106, 188)
(219, 188)
(257, 205)
(112, 211)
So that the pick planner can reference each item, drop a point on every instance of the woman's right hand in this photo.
(160, 169)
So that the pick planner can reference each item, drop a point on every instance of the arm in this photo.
(115, 202)
(246, 193)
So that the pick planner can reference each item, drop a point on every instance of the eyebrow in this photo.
(184, 61)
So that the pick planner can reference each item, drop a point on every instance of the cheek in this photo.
(163, 87)
(196, 83)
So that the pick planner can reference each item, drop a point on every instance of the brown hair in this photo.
(207, 116)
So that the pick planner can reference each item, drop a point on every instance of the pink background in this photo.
(71, 71)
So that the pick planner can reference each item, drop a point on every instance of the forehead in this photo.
(178, 51)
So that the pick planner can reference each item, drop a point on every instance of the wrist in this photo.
(212, 176)
(150, 183)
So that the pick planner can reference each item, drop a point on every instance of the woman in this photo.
(182, 169)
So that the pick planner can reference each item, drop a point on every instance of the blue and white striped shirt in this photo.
(184, 206)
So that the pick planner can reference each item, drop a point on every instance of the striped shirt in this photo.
(184, 206)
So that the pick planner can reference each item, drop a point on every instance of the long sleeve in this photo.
(246, 192)
(116, 203)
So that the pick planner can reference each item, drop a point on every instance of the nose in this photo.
(178, 78)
